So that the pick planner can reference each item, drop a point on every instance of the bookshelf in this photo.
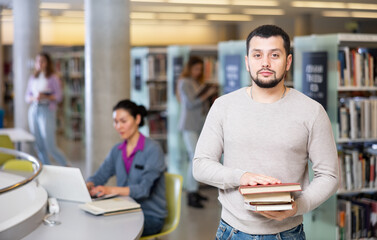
(149, 88)
(347, 92)
(177, 58)
(70, 67)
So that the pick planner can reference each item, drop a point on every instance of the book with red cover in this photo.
(270, 188)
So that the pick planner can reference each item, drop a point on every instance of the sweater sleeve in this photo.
(188, 95)
(323, 155)
(28, 92)
(153, 170)
(56, 88)
(206, 166)
(105, 171)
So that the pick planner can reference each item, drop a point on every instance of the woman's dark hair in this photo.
(133, 109)
(193, 61)
(49, 65)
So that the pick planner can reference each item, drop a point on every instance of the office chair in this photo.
(173, 201)
(18, 165)
(5, 142)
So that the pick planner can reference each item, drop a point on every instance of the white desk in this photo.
(77, 224)
(17, 136)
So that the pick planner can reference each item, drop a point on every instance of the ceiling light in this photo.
(68, 20)
(264, 11)
(208, 10)
(48, 5)
(159, 9)
(153, 1)
(335, 14)
(206, 2)
(6, 12)
(175, 16)
(364, 14)
(312, 4)
(255, 3)
(228, 17)
(44, 13)
(73, 14)
(365, 6)
(7, 18)
(46, 20)
(142, 15)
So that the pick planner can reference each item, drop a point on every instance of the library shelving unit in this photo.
(177, 58)
(70, 67)
(232, 70)
(149, 88)
(349, 97)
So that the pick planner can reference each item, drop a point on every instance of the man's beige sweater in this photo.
(275, 139)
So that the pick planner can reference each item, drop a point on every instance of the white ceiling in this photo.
(284, 5)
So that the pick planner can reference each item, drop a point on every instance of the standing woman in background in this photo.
(43, 93)
(192, 118)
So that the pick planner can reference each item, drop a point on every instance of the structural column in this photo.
(107, 76)
(26, 45)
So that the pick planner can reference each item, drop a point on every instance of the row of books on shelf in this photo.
(157, 66)
(74, 128)
(157, 94)
(75, 86)
(157, 124)
(358, 118)
(76, 105)
(68, 65)
(356, 67)
(357, 217)
(357, 170)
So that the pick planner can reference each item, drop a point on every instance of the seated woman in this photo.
(138, 164)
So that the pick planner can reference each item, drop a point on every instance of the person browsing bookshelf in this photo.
(266, 134)
(193, 94)
(138, 164)
(43, 93)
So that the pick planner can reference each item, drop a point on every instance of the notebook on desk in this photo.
(111, 206)
(65, 183)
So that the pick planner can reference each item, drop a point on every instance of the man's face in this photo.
(267, 61)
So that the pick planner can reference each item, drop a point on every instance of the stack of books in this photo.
(274, 197)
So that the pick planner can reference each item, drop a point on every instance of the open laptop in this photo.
(64, 183)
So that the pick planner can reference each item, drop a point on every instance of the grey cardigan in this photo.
(145, 179)
(192, 116)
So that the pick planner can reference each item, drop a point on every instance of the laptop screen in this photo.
(64, 183)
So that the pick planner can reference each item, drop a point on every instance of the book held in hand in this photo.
(268, 207)
(273, 197)
(281, 187)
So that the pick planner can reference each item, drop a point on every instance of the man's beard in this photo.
(270, 84)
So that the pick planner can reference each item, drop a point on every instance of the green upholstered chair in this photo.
(18, 165)
(5, 142)
(173, 200)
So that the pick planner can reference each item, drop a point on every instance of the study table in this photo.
(17, 136)
(77, 224)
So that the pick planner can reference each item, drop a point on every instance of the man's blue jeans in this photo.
(226, 232)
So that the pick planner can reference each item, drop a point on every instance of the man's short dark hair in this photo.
(266, 31)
